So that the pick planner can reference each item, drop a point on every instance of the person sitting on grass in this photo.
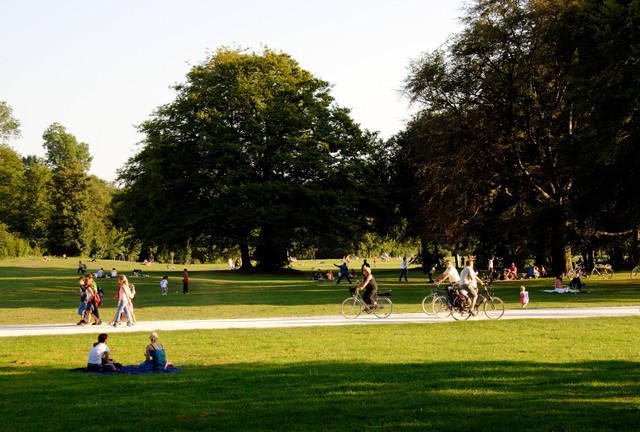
(156, 358)
(99, 359)
(558, 286)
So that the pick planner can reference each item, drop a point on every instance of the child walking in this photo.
(524, 296)
(164, 284)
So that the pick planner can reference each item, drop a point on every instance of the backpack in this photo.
(97, 301)
(132, 289)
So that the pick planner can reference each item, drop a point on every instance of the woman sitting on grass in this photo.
(558, 286)
(156, 358)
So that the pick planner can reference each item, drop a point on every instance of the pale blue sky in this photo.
(100, 68)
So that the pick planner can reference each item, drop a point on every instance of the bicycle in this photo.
(458, 305)
(427, 302)
(577, 272)
(604, 271)
(353, 306)
(635, 271)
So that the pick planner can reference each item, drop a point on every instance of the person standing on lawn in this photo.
(404, 267)
(185, 282)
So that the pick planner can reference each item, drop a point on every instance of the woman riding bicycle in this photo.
(370, 286)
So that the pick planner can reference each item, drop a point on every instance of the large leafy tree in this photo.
(9, 125)
(34, 204)
(11, 170)
(252, 153)
(69, 161)
(496, 102)
(606, 90)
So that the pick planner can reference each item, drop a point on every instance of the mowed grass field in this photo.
(34, 292)
(537, 375)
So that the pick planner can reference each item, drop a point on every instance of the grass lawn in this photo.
(35, 292)
(513, 375)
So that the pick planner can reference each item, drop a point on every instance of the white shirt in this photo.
(452, 272)
(164, 283)
(468, 277)
(96, 353)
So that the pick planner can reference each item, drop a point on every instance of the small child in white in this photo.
(524, 296)
(164, 284)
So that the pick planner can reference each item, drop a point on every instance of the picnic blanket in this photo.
(132, 370)
(575, 291)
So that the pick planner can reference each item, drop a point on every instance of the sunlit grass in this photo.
(579, 374)
(34, 291)
(548, 375)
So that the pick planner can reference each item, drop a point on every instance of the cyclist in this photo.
(449, 271)
(452, 273)
(469, 281)
(370, 286)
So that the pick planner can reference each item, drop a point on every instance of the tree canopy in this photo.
(511, 128)
(252, 153)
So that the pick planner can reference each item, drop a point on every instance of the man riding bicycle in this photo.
(469, 281)
(452, 273)
(449, 271)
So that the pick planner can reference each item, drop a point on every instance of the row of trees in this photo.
(50, 204)
(524, 147)
(528, 127)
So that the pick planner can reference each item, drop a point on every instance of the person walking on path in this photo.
(124, 300)
(82, 308)
(404, 267)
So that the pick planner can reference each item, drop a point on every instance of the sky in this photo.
(102, 68)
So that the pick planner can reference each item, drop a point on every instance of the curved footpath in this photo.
(338, 320)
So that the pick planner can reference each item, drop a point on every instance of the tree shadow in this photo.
(328, 396)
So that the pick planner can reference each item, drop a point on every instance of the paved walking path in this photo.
(336, 320)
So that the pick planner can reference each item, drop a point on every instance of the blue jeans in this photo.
(123, 305)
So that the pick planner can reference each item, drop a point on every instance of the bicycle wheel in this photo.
(607, 273)
(459, 313)
(385, 306)
(634, 273)
(351, 308)
(494, 308)
(440, 307)
(426, 304)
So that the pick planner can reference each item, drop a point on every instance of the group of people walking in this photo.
(91, 300)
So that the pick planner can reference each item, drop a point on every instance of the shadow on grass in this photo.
(456, 396)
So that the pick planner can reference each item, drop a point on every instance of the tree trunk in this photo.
(245, 257)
